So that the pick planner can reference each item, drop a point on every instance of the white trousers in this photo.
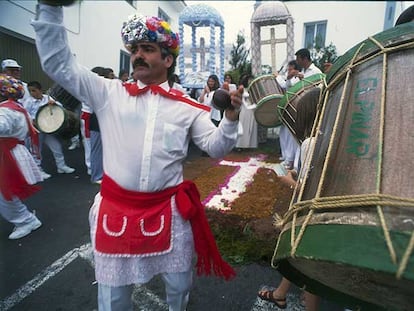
(96, 156)
(86, 145)
(15, 211)
(54, 145)
(177, 288)
(288, 144)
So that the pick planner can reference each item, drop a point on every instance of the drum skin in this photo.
(54, 119)
(265, 92)
(353, 211)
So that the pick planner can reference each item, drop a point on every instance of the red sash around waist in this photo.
(132, 224)
(12, 181)
(139, 224)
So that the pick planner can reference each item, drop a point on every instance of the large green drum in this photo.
(349, 231)
(289, 102)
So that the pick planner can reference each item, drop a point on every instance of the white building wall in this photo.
(93, 27)
(348, 23)
(16, 16)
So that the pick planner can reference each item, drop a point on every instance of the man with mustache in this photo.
(146, 220)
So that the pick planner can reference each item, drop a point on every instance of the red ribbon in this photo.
(134, 90)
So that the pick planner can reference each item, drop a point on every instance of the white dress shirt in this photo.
(145, 141)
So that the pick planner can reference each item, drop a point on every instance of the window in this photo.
(315, 34)
(163, 15)
(132, 3)
(389, 15)
(124, 61)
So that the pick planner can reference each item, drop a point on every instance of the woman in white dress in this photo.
(248, 138)
(207, 95)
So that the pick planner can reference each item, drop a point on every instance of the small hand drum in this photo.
(266, 93)
(54, 119)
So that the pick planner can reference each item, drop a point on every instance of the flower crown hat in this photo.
(149, 29)
(11, 87)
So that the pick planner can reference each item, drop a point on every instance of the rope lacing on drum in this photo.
(295, 242)
(354, 63)
(348, 201)
(369, 200)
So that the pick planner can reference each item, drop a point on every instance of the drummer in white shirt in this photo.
(36, 100)
(304, 60)
(288, 143)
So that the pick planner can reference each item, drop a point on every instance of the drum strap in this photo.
(134, 90)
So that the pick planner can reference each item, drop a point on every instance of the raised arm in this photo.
(57, 59)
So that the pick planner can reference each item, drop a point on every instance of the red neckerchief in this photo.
(190, 208)
(134, 90)
(12, 181)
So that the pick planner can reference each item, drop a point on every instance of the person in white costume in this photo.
(248, 139)
(12, 68)
(288, 143)
(18, 171)
(37, 100)
(206, 97)
(146, 220)
(304, 60)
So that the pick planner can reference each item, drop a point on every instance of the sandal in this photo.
(268, 296)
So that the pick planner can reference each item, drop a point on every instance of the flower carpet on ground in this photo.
(241, 193)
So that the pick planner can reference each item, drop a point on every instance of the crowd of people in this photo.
(137, 155)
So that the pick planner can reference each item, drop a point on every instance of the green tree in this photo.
(322, 55)
(239, 61)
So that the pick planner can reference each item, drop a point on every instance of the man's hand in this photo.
(236, 100)
(289, 179)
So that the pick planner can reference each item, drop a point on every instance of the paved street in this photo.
(52, 268)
